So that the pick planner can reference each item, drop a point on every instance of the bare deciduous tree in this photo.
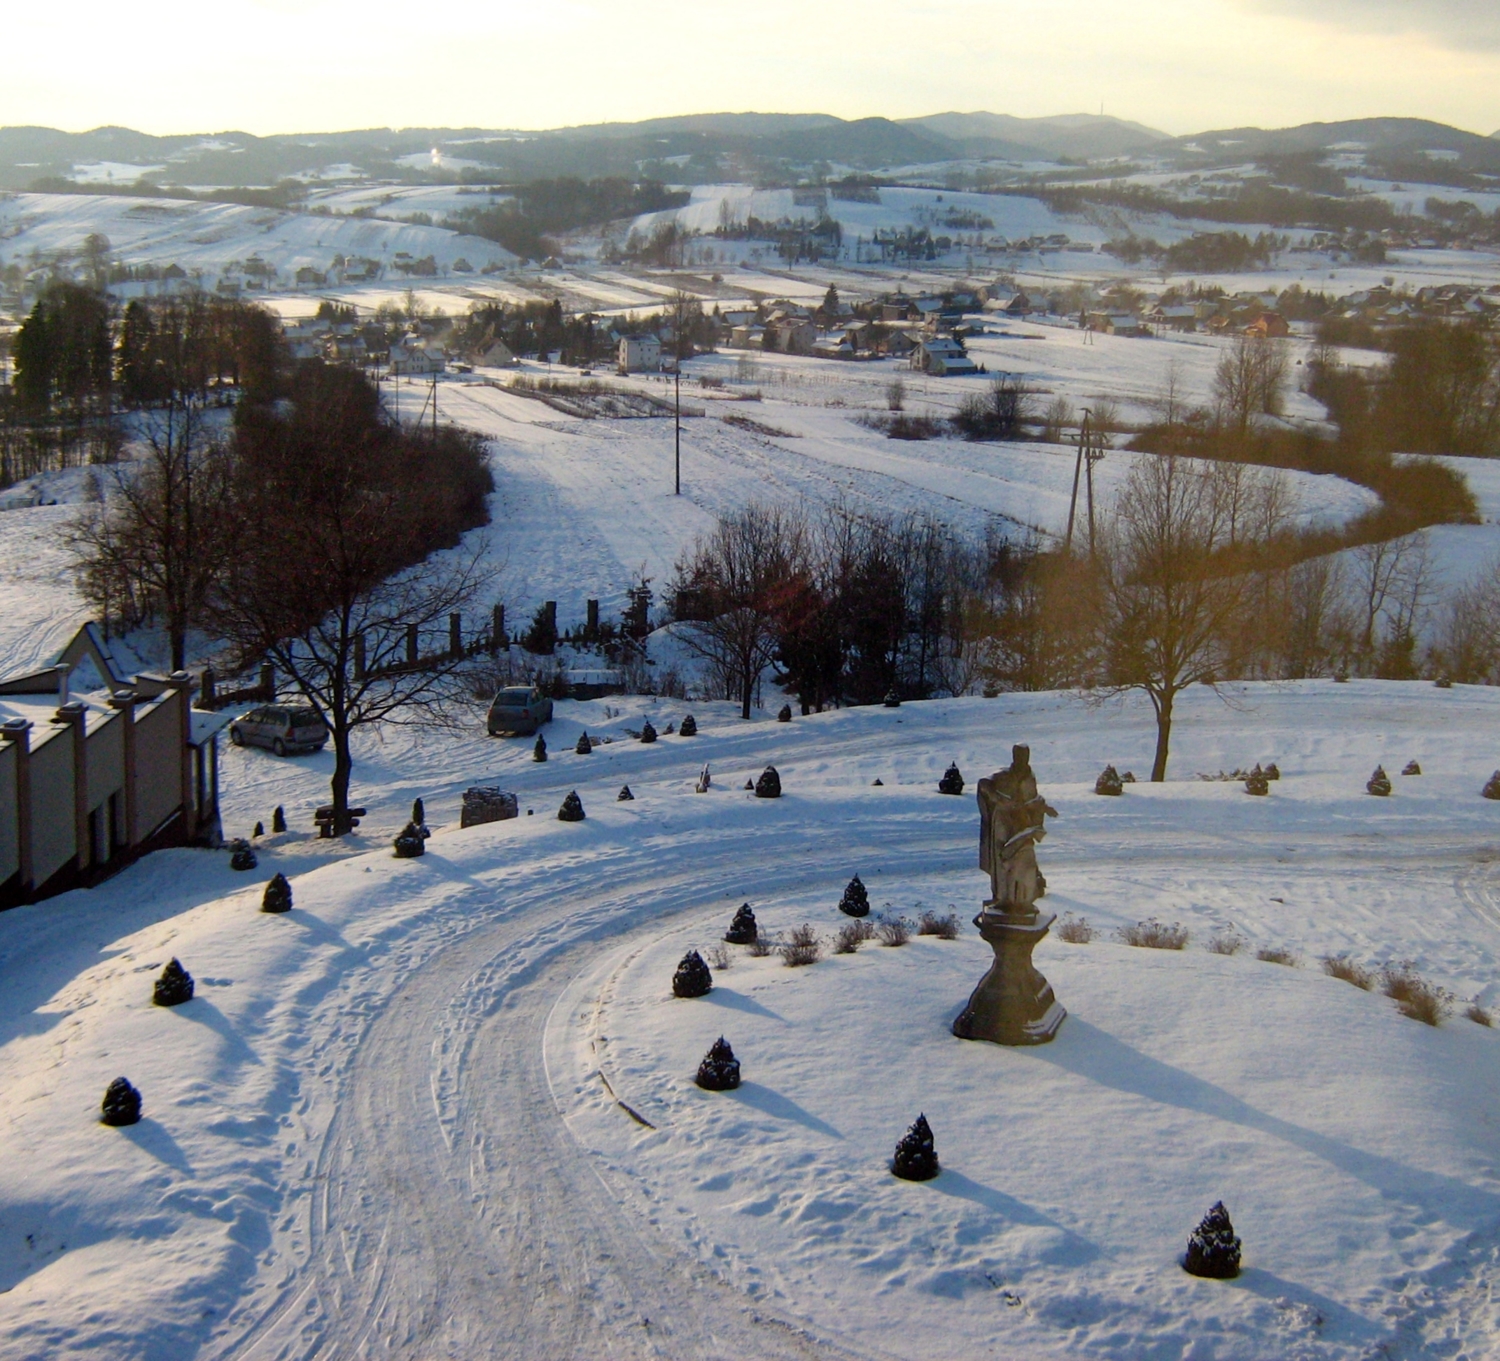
(1249, 381)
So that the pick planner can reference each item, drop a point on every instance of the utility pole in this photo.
(677, 429)
(1083, 436)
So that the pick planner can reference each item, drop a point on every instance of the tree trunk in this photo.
(1163, 706)
(343, 769)
(747, 692)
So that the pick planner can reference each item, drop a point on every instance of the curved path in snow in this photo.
(456, 1216)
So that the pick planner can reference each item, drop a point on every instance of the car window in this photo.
(305, 718)
(255, 716)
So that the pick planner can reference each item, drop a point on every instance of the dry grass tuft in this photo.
(1275, 954)
(852, 935)
(1414, 996)
(801, 946)
(893, 930)
(1479, 1015)
(1154, 935)
(719, 958)
(1341, 966)
(1226, 943)
(944, 927)
(1075, 930)
(761, 946)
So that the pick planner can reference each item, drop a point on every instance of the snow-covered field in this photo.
(381, 1128)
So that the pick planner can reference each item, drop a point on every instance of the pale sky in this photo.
(265, 66)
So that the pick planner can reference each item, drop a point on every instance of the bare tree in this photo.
(1172, 606)
(1392, 585)
(730, 587)
(1249, 381)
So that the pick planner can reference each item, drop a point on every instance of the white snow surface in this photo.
(381, 1128)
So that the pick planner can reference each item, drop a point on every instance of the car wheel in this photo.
(279, 747)
(237, 737)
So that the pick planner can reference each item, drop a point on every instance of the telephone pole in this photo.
(677, 427)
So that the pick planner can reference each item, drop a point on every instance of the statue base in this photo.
(1013, 1003)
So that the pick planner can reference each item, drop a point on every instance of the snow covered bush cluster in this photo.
(1075, 929)
(1154, 935)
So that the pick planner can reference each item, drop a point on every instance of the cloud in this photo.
(1461, 24)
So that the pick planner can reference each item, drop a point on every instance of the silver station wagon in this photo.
(286, 729)
(518, 711)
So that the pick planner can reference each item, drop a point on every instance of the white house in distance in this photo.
(640, 354)
(942, 357)
(409, 356)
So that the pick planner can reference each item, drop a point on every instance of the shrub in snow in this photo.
(1491, 788)
(584, 746)
(122, 1103)
(1479, 1015)
(482, 803)
(572, 808)
(893, 931)
(761, 946)
(1414, 996)
(1276, 954)
(877, 783)
(1109, 782)
(1256, 782)
(539, 751)
(784, 714)
(260, 829)
(952, 781)
(1075, 930)
(278, 894)
(944, 927)
(419, 813)
(1213, 1250)
(648, 733)
(1155, 935)
(1341, 966)
(1443, 683)
(719, 959)
(173, 987)
(1226, 943)
(278, 819)
(801, 947)
(720, 1070)
(624, 796)
(409, 842)
(705, 780)
(742, 930)
(692, 978)
(241, 857)
(851, 935)
(916, 1157)
(769, 784)
(1128, 777)
(892, 699)
(1379, 784)
(1411, 768)
(1272, 771)
(856, 899)
(1341, 678)
(689, 727)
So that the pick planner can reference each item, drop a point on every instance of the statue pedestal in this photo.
(1013, 1003)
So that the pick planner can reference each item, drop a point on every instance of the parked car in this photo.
(518, 711)
(283, 728)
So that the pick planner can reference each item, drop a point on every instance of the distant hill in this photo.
(1381, 136)
(1078, 136)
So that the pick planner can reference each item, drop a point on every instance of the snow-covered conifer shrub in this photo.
(720, 1070)
(1109, 782)
(893, 931)
(1414, 996)
(539, 751)
(1075, 930)
(278, 819)
(692, 978)
(742, 930)
(1277, 954)
(648, 733)
(1213, 1250)
(584, 746)
(856, 899)
(278, 894)
(1341, 966)
(409, 842)
(173, 987)
(952, 781)
(241, 857)
(768, 786)
(624, 796)
(1154, 935)
(121, 1105)
(572, 808)
(944, 927)
(688, 726)
(784, 714)
(916, 1155)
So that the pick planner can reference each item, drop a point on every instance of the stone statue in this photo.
(1013, 1003)
(1011, 815)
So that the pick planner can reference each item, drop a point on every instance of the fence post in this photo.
(455, 635)
(497, 629)
(206, 688)
(411, 644)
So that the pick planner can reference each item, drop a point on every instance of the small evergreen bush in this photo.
(692, 978)
(742, 930)
(572, 808)
(1411, 768)
(278, 819)
(241, 857)
(916, 1155)
(1379, 784)
(173, 987)
(1491, 788)
(584, 746)
(784, 714)
(624, 796)
(688, 727)
(409, 842)
(648, 733)
(121, 1105)
(260, 830)
(1109, 782)
(1213, 1250)
(952, 781)
(892, 699)
(278, 894)
(769, 784)
(1256, 782)
(856, 899)
(1272, 771)
(720, 1070)
(539, 751)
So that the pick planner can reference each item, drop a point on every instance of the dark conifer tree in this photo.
(742, 930)
(173, 987)
(572, 808)
(720, 1070)
(692, 978)
(689, 727)
(1213, 1250)
(856, 899)
(278, 819)
(952, 781)
(648, 733)
(624, 796)
(769, 784)
(278, 895)
(916, 1158)
(539, 751)
(122, 1103)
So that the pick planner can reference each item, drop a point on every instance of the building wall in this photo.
(105, 760)
(52, 839)
(10, 842)
(158, 757)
